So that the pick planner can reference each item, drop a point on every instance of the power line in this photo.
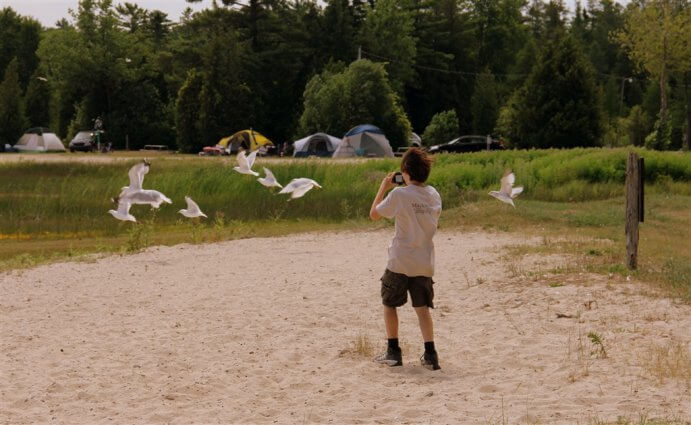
(447, 71)
(429, 68)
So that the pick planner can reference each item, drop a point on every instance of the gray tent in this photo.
(319, 144)
(364, 140)
(39, 139)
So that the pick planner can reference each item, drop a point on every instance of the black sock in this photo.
(429, 347)
(393, 344)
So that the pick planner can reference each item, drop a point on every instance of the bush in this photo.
(442, 128)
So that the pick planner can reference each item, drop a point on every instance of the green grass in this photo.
(53, 210)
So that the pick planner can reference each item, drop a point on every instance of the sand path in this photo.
(262, 331)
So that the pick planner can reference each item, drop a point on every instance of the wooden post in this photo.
(633, 203)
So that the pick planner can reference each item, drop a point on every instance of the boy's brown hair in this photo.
(417, 163)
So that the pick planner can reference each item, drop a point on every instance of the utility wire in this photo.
(446, 71)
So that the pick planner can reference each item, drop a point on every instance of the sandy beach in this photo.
(264, 331)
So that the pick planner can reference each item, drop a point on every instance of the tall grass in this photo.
(65, 198)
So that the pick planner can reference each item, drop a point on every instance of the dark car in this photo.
(469, 144)
(83, 141)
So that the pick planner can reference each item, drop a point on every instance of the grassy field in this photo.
(58, 209)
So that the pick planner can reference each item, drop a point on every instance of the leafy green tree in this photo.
(37, 102)
(337, 101)
(559, 104)
(442, 128)
(19, 38)
(338, 32)
(484, 104)
(226, 102)
(12, 120)
(656, 36)
(189, 138)
(445, 60)
(499, 32)
(387, 35)
(132, 17)
(638, 125)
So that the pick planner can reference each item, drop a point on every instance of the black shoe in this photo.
(430, 360)
(392, 357)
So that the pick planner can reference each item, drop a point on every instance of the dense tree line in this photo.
(528, 71)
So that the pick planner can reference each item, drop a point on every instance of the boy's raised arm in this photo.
(385, 185)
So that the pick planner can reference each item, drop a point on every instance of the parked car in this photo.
(212, 151)
(401, 150)
(469, 144)
(83, 141)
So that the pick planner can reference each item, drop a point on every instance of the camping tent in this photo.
(319, 144)
(415, 140)
(39, 139)
(246, 139)
(364, 140)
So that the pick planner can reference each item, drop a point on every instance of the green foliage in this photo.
(442, 128)
(37, 102)
(19, 38)
(388, 33)
(83, 190)
(12, 119)
(128, 64)
(484, 104)
(558, 105)
(637, 126)
(335, 102)
(187, 114)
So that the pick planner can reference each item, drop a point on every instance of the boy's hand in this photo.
(388, 183)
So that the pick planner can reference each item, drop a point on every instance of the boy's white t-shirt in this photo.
(417, 210)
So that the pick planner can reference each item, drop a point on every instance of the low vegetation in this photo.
(59, 209)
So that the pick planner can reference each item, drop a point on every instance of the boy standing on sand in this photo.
(416, 208)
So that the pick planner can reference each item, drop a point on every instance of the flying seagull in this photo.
(298, 187)
(136, 174)
(192, 210)
(245, 163)
(269, 180)
(145, 197)
(135, 194)
(507, 191)
(123, 212)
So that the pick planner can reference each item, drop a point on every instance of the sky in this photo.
(50, 11)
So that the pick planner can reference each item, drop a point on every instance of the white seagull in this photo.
(298, 187)
(245, 163)
(144, 197)
(269, 180)
(135, 194)
(507, 191)
(136, 174)
(192, 210)
(123, 212)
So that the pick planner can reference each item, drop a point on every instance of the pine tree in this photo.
(559, 106)
(37, 102)
(187, 113)
(12, 120)
(484, 104)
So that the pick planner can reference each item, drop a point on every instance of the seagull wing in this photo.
(507, 182)
(291, 186)
(250, 159)
(270, 178)
(516, 191)
(301, 190)
(192, 206)
(124, 206)
(136, 175)
(242, 160)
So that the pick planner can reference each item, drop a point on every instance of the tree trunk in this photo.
(687, 133)
(663, 94)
